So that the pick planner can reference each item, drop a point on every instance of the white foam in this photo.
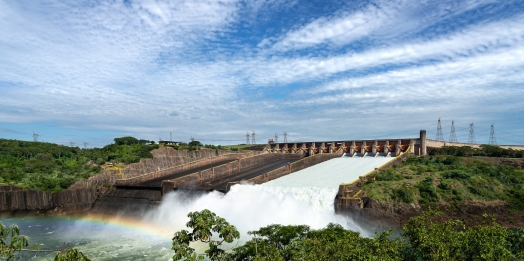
(250, 207)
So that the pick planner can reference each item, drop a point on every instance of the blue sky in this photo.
(90, 71)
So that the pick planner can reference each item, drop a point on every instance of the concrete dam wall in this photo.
(165, 161)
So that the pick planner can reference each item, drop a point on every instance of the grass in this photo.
(428, 180)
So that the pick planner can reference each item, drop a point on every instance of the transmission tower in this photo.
(453, 135)
(85, 145)
(492, 140)
(253, 140)
(276, 138)
(247, 138)
(72, 143)
(285, 137)
(440, 137)
(471, 139)
(170, 136)
(35, 137)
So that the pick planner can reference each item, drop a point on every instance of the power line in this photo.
(471, 138)
(452, 135)
(492, 140)
(439, 132)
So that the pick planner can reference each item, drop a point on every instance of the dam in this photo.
(143, 185)
(299, 164)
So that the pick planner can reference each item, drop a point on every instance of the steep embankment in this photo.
(463, 187)
(83, 194)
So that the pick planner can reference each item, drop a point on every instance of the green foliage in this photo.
(484, 150)
(71, 254)
(51, 167)
(403, 194)
(456, 174)
(421, 238)
(11, 242)
(203, 224)
(453, 240)
(431, 179)
(195, 143)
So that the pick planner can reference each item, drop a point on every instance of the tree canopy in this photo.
(421, 238)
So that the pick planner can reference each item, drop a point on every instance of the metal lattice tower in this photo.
(247, 138)
(35, 137)
(471, 139)
(439, 137)
(285, 137)
(253, 140)
(453, 135)
(492, 140)
(85, 145)
(276, 138)
(72, 143)
(170, 136)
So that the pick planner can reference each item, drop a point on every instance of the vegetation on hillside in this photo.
(420, 239)
(51, 167)
(484, 150)
(431, 179)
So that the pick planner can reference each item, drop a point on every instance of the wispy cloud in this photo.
(215, 69)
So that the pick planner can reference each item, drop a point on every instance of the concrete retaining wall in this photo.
(180, 168)
(348, 197)
(165, 161)
(225, 170)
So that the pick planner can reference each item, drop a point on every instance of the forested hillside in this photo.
(444, 177)
(51, 167)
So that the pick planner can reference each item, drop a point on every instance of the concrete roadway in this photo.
(220, 184)
(158, 181)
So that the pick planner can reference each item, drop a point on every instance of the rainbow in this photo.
(120, 223)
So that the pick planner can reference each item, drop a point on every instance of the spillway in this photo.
(331, 173)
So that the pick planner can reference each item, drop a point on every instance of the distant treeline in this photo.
(484, 150)
(51, 167)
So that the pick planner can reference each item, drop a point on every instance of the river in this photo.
(148, 236)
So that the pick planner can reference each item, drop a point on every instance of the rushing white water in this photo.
(331, 173)
(250, 207)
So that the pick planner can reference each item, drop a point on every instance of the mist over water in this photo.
(250, 207)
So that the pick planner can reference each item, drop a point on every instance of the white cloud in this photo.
(378, 19)
(153, 67)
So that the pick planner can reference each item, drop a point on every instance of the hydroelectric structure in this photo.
(334, 165)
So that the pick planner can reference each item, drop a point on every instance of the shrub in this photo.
(427, 191)
(403, 194)
(443, 186)
(456, 174)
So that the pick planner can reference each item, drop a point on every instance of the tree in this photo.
(195, 143)
(203, 224)
(71, 254)
(127, 140)
(11, 242)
